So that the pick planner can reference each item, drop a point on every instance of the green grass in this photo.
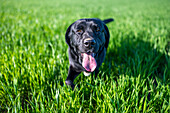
(34, 60)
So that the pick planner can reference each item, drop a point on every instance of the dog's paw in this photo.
(70, 83)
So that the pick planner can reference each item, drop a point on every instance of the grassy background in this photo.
(34, 60)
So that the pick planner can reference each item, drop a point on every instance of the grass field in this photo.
(34, 60)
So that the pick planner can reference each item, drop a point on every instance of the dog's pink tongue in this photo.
(89, 62)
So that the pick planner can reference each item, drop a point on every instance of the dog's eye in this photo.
(96, 28)
(79, 30)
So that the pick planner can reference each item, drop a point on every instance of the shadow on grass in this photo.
(136, 57)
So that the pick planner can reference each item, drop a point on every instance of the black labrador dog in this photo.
(88, 40)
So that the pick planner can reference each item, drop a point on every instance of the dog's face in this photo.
(87, 38)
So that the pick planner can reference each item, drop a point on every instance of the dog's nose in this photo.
(88, 43)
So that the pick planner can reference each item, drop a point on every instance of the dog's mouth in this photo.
(88, 61)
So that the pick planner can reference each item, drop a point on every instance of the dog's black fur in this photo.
(88, 40)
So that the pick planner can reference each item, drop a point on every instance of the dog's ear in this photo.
(107, 36)
(67, 37)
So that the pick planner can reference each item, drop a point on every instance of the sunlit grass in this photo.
(34, 60)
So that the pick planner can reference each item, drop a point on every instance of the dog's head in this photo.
(87, 38)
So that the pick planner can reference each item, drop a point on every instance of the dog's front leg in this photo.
(72, 74)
